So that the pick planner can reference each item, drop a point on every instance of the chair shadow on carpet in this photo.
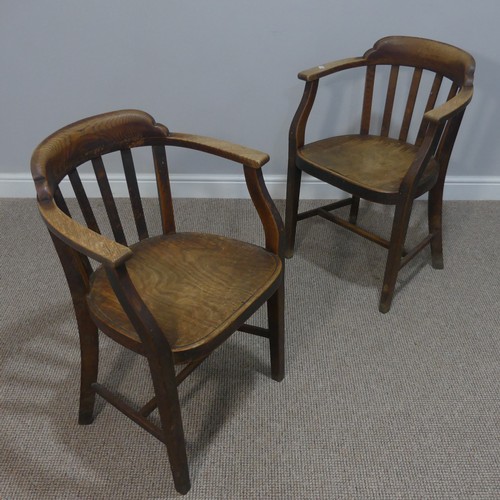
(47, 398)
(349, 257)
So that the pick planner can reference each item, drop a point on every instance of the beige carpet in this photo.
(402, 405)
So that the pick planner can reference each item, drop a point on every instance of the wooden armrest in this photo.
(451, 107)
(436, 118)
(424, 153)
(241, 154)
(81, 238)
(332, 67)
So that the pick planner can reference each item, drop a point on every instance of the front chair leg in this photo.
(292, 207)
(398, 236)
(89, 352)
(435, 216)
(163, 375)
(353, 213)
(276, 320)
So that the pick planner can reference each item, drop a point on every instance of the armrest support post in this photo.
(298, 126)
(268, 213)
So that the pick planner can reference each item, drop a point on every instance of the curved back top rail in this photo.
(447, 60)
(89, 138)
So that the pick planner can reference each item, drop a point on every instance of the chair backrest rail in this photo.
(389, 102)
(109, 201)
(367, 100)
(410, 104)
(61, 202)
(83, 201)
(411, 101)
(431, 102)
(135, 196)
(164, 193)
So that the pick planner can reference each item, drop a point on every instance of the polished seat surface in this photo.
(194, 284)
(370, 162)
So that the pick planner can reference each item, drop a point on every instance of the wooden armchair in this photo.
(172, 298)
(372, 165)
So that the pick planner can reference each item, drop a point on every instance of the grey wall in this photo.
(225, 68)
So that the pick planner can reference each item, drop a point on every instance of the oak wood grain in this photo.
(134, 193)
(193, 284)
(369, 162)
(81, 238)
(90, 138)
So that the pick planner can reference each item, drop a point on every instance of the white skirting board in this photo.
(233, 186)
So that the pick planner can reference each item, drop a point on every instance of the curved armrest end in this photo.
(451, 107)
(424, 153)
(224, 149)
(322, 70)
(81, 238)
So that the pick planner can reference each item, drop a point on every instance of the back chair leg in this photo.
(435, 215)
(163, 375)
(398, 236)
(276, 320)
(292, 207)
(353, 213)
(89, 352)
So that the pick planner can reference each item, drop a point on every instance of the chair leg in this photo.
(353, 213)
(398, 236)
(292, 207)
(435, 216)
(276, 320)
(89, 352)
(163, 375)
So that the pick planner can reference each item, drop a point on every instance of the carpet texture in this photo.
(401, 405)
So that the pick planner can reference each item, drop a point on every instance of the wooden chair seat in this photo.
(373, 163)
(195, 285)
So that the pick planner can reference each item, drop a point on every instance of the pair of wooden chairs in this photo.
(175, 297)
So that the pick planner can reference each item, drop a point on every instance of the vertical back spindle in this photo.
(74, 263)
(431, 102)
(135, 196)
(164, 193)
(83, 201)
(389, 101)
(410, 104)
(109, 201)
(453, 91)
(61, 202)
(367, 100)
(449, 133)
